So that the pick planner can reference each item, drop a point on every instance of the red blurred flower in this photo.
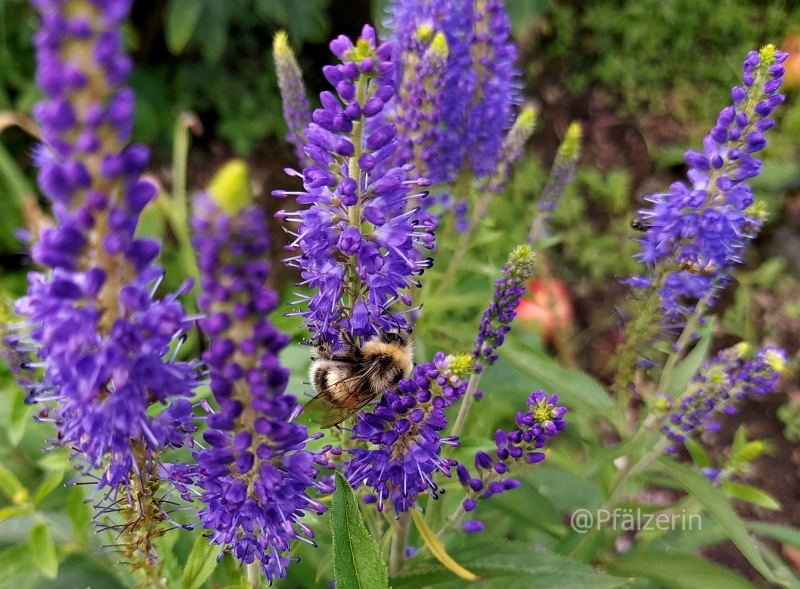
(546, 307)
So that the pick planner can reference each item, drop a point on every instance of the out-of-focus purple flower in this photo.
(480, 86)
(726, 378)
(102, 341)
(496, 89)
(357, 244)
(497, 318)
(697, 232)
(404, 430)
(296, 109)
(423, 58)
(255, 473)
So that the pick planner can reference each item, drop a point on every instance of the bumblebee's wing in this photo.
(343, 398)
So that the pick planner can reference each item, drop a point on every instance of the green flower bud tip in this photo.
(521, 259)
(571, 146)
(750, 451)
(766, 55)
(461, 365)
(757, 210)
(717, 379)
(230, 187)
(424, 32)
(439, 46)
(775, 361)
(742, 349)
(280, 45)
(361, 51)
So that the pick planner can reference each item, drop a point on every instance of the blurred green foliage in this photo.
(660, 56)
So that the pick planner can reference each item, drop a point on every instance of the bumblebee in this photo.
(346, 379)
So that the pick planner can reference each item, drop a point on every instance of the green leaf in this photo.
(751, 495)
(180, 23)
(576, 389)
(200, 564)
(679, 378)
(44, 550)
(783, 571)
(13, 511)
(739, 440)
(699, 456)
(11, 487)
(357, 561)
(676, 570)
(213, 29)
(20, 417)
(48, 485)
(508, 565)
(783, 534)
(78, 511)
(15, 562)
(716, 504)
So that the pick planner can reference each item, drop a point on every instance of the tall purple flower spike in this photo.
(256, 473)
(698, 231)
(101, 340)
(358, 244)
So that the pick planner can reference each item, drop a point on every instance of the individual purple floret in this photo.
(256, 473)
(296, 109)
(726, 378)
(697, 232)
(497, 318)
(404, 430)
(103, 343)
(358, 243)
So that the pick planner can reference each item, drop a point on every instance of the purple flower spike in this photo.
(479, 87)
(101, 339)
(730, 376)
(296, 110)
(404, 428)
(497, 318)
(255, 473)
(543, 419)
(697, 232)
(359, 242)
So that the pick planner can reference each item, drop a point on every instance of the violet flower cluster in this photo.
(728, 377)
(101, 339)
(497, 318)
(403, 431)
(697, 232)
(543, 419)
(479, 88)
(423, 59)
(256, 473)
(357, 243)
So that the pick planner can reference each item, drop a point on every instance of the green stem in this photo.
(683, 340)
(254, 574)
(399, 540)
(463, 411)
(461, 189)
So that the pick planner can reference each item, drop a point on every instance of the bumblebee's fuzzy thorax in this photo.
(347, 379)
(403, 355)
